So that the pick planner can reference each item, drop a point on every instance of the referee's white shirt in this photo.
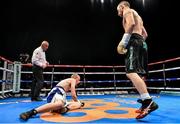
(38, 57)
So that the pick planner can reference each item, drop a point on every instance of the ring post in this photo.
(114, 76)
(4, 78)
(164, 76)
(52, 77)
(17, 77)
(84, 80)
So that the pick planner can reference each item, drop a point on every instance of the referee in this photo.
(39, 64)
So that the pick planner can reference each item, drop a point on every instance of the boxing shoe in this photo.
(140, 109)
(26, 115)
(147, 107)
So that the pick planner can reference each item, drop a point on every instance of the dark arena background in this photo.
(83, 36)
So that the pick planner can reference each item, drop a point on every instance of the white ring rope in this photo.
(168, 69)
(4, 69)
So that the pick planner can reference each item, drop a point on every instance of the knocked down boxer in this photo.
(56, 99)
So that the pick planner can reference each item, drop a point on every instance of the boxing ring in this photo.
(108, 95)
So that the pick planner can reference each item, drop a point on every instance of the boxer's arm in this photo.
(73, 90)
(129, 20)
(144, 33)
(121, 48)
(71, 106)
(74, 105)
(128, 26)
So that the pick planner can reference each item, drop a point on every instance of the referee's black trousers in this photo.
(37, 82)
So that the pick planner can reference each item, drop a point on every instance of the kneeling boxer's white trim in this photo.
(125, 38)
(57, 97)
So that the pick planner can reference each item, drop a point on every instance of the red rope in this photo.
(2, 58)
(165, 61)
